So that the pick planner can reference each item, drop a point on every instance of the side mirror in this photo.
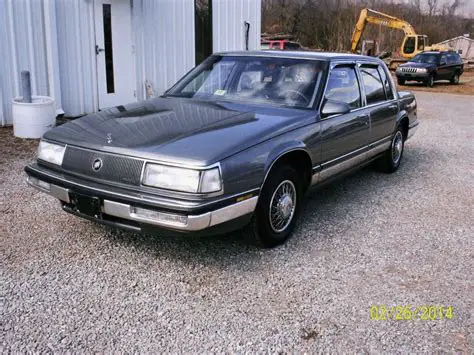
(331, 108)
(443, 62)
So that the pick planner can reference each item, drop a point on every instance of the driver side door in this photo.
(344, 138)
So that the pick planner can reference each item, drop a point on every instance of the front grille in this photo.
(115, 168)
(409, 70)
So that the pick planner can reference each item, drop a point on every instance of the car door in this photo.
(344, 137)
(444, 71)
(379, 101)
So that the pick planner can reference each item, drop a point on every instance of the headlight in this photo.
(52, 153)
(181, 179)
(421, 70)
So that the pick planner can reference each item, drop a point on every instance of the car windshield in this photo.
(425, 58)
(262, 80)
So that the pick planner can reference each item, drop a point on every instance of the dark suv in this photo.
(428, 67)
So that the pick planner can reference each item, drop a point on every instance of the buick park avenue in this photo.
(233, 145)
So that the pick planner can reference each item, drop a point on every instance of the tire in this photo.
(430, 81)
(401, 81)
(283, 185)
(455, 79)
(390, 161)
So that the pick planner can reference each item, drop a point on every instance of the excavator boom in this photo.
(378, 18)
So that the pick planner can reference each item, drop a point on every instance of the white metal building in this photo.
(91, 54)
(463, 44)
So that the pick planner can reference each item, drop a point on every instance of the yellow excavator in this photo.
(412, 43)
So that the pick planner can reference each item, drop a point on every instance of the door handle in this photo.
(364, 119)
(393, 106)
(98, 50)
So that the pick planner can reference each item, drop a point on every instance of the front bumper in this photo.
(412, 128)
(129, 211)
(418, 76)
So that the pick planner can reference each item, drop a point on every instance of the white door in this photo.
(114, 52)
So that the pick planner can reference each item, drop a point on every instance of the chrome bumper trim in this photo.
(193, 222)
(412, 129)
(54, 190)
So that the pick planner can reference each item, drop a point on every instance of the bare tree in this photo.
(432, 7)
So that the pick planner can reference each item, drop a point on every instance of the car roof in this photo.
(326, 56)
(439, 52)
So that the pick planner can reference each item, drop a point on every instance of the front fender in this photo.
(247, 170)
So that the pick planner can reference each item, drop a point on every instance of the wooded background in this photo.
(328, 24)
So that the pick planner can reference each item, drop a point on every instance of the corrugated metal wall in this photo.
(27, 42)
(228, 17)
(54, 40)
(164, 42)
(77, 59)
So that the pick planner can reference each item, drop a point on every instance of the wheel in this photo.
(392, 157)
(277, 208)
(455, 79)
(430, 81)
(401, 81)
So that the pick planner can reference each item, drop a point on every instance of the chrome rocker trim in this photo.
(128, 212)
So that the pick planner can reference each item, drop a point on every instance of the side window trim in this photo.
(381, 70)
(332, 66)
(362, 86)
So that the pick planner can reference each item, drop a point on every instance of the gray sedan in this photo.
(234, 144)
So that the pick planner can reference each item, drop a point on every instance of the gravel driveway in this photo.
(406, 238)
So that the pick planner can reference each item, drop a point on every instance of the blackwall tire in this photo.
(277, 209)
(390, 161)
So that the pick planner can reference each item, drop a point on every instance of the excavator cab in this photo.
(414, 44)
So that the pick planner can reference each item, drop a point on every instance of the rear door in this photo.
(444, 71)
(379, 101)
(343, 137)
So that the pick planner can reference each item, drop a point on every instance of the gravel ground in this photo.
(407, 238)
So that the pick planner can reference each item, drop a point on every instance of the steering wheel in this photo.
(298, 93)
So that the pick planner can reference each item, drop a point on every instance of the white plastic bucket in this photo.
(32, 120)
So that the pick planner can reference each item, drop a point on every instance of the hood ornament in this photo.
(109, 138)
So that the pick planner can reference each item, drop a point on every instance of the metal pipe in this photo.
(26, 86)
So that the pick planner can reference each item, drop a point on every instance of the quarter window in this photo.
(343, 86)
(374, 91)
(386, 84)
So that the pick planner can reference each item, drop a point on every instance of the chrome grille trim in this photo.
(115, 168)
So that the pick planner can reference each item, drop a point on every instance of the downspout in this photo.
(247, 29)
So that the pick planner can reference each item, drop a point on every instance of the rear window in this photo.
(374, 89)
(292, 45)
(454, 58)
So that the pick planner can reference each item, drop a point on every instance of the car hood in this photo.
(179, 130)
(417, 65)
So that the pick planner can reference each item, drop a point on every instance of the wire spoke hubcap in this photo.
(397, 147)
(282, 206)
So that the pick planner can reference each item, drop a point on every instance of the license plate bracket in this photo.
(87, 205)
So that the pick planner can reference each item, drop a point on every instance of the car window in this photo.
(343, 86)
(211, 80)
(453, 58)
(276, 81)
(425, 58)
(292, 45)
(386, 84)
(443, 60)
(374, 90)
